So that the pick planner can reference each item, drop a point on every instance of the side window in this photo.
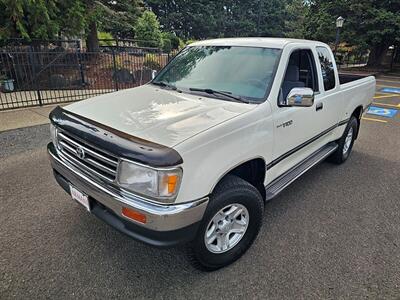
(300, 72)
(328, 72)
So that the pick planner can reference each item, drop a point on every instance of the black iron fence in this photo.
(62, 74)
(351, 59)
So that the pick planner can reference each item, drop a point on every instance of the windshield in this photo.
(243, 71)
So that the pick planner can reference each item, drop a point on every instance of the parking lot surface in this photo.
(334, 233)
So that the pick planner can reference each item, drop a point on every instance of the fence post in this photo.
(114, 69)
(81, 71)
(39, 97)
(35, 75)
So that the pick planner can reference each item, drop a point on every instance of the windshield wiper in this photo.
(214, 92)
(165, 84)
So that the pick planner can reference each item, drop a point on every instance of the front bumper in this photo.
(166, 225)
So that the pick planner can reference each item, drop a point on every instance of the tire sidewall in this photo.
(352, 124)
(251, 200)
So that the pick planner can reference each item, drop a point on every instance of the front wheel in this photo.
(345, 143)
(230, 224)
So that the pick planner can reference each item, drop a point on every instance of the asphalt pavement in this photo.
(334, 233)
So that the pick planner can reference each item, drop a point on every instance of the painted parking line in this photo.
(387, 86)
(386, 96)
(384, 80)
(387, 104)
(374, 120)
(382, 112)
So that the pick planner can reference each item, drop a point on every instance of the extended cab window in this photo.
(300, 72)
(328, 72)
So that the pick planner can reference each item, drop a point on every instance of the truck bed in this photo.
(345, 78)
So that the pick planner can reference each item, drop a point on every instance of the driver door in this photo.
(295, 129)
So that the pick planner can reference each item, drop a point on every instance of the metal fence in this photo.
(62, 74)
(351, 59)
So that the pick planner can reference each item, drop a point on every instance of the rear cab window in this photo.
(327, 68)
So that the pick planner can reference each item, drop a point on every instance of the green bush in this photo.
(188, 42)
(181, 44)
(148, 30)
(166, 42)
(171, 42)
(105, 36)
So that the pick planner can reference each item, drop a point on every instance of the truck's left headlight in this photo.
(161, 184)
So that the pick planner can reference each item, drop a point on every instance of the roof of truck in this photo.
(268, 42)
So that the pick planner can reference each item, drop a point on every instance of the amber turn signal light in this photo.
(134, 215)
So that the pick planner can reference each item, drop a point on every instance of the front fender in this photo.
(210, 155)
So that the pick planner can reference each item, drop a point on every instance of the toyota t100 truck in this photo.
(192, 156)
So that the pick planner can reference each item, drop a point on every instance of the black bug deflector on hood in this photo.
(114, 141)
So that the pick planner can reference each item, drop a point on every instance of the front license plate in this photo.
(80, 197)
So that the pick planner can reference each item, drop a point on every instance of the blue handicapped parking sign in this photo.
(382, 112)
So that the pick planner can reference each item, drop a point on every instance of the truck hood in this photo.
(159, 115)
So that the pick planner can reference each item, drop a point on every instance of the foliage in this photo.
(71, 18)
(202, 19)
(151, 62)
(170, 42)
(52, 19)
(148, 30)
(369, 24)
(28, 19)
(296, 11)
(105, 36)
(166, 42)
(190, 41)
(118, 17)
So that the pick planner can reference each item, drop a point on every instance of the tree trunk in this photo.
(377, 55)
(92, 42)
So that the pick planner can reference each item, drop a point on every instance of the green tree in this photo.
(148, 30)
(370, 24)
(119, 17)
(295, 20)
(28, 19)
(51, 19)
(202, 19)
(116, 17)
(166, 42)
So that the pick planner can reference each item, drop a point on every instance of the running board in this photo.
(280, 183)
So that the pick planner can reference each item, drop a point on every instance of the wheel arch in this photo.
(252, 171)
(357, 113)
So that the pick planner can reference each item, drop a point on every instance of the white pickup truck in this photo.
(192, 156)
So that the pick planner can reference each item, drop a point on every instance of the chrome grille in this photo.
(87, 157)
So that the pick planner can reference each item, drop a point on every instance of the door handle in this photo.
(319, 106)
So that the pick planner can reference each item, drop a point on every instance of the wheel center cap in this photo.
(225, 227)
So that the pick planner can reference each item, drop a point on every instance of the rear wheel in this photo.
(230, 224)
(345, 143)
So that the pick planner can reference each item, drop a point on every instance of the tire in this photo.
(232, 196)
(345, 145)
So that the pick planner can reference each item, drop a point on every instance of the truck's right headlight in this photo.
(161, 184)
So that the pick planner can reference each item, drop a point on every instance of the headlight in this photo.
(156, 183)
(53, 134)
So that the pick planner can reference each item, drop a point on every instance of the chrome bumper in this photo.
(160, 218)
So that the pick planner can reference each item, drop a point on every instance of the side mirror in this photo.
(303, 97)
(153, 74)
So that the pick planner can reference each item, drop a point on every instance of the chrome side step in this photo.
(280, 183)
